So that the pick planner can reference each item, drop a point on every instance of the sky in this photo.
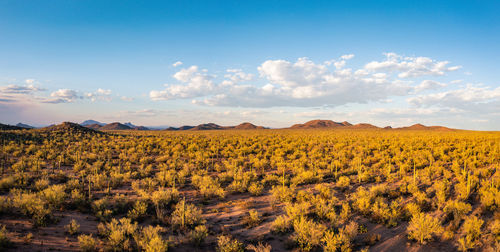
(272, 63)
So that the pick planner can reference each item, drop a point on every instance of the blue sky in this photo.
(272, 63)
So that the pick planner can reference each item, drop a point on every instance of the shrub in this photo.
(198, 235)
(332, 242)
(33, 206)
(73, 227)
(343, 182)
(186, 215)
(119, 233)
(495, 228)
(256, 189)
(297, 210)
(102, 208)
(5, 204)
(87, 243)
(227, 244)
(345, 213)
(307, 233)
(489, 196)
(472, 230)
(282, 194)
(138, 211)
(161, 199)
(4, 240)
(412, 209)
(54, 195)
(150, 239)
(362, 201)
(42, 184)
(457, 209)
(77, 198)
(8, 182)
(208, 187)
(253, 218)
(423, 226)
(260, 247)
(281, 224)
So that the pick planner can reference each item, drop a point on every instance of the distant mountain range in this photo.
(93, 124)
(314, 124)
(213, 126)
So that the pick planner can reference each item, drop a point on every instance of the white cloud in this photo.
(477, 98)
(62, 96)
(305, 83)
(429, 85)
(235, 76)
(195, 84)
(99, 94)
(126, 98)
(176, 64)
(409, 67)
(18, 89)
(347, 56)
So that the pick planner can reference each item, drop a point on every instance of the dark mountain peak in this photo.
(141, 128)
(68, 127)
(115, 126)
(26, 126)
(90, 122)
(419, 126)
(10, 127)
(94, 126)
(130, 125)
(208, 126)
(363, 126)
(247, 125)
(314, 124)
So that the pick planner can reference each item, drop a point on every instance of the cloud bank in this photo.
(304, 83)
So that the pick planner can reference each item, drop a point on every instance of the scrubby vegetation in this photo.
(330, 190)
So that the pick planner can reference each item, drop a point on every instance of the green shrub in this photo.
(253, 218)
(54, 195)
(72, 228)
(227, 244)
(198, 235)
(32, 205)
(457, 210)
(138, 211)
(423, 226)
(186, 215)
(42, 184)
(208, 187)
(307, 233)
(87, 243)
(149, 239)
(119, 233)
(7, 183)
(281, 224)
(260, 247)
(472, 229)
(282, 194)
(343, 182)
(4, 239)
(162, 198)
(256, 189)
